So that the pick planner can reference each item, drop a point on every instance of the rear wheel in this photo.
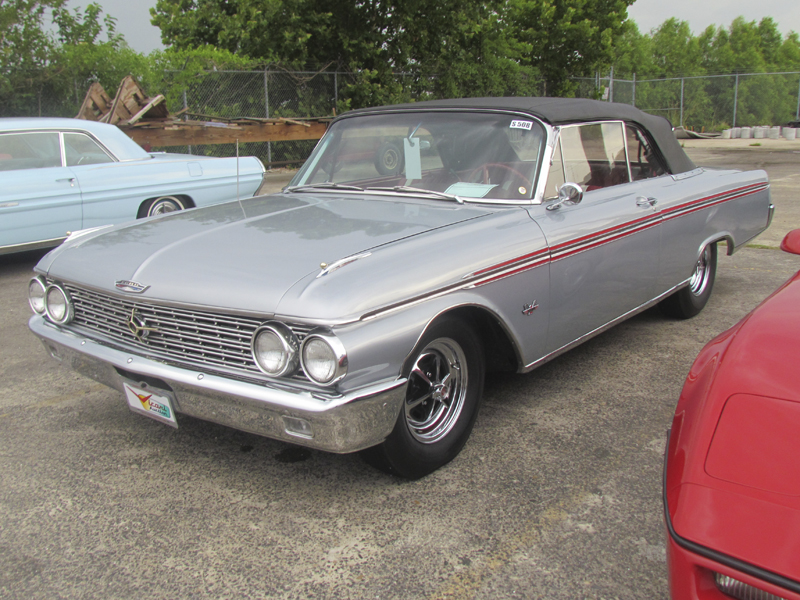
(444, 389)
(690, 300)
(161, 206)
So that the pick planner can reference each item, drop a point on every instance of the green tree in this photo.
(44, 73)
(568, 38)
(448, 47)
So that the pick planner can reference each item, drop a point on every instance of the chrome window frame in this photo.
(603, 122)
(61, 133)
(544, 157)
(32, 131)
(100, 145)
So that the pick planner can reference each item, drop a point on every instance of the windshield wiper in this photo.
(324, 185)
(414, 190)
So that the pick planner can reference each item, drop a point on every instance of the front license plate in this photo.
(156, 406)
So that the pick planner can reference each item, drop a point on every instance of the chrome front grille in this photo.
(213, 341)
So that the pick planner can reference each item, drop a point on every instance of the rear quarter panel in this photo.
(708, 206)
(113, 192)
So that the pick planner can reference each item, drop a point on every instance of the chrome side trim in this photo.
(602, 328)
(708, 201)
(771, 214)
(40, 245)
(687, 174)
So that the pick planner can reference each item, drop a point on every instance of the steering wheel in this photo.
(484, 169)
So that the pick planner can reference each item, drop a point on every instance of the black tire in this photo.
(389, 159)
(444, 391)
(690, 300)
(161, 206)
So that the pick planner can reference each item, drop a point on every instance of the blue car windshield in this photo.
(471, 155)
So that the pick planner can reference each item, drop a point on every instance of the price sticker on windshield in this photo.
(521, 125)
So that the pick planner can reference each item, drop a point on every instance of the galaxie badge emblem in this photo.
(130, 286)
(138, 326)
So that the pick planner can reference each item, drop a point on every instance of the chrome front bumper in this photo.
(339, 423)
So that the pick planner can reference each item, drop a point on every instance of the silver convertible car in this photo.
(418, 247)
(63, 175)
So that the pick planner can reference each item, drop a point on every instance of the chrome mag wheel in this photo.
(702, 273)
(436, 390)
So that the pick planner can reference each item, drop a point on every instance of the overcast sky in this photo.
(133, 17)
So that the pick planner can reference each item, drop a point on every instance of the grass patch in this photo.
(756, 144)
(761, 247)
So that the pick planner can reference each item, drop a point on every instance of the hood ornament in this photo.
(138, 326)
(330, 268)
(130, 286)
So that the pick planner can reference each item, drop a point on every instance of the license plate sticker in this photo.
(146, 402)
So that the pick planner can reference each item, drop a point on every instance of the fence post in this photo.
(682, 84)
(633, 101)
(186, 107)
(797, 114)
(611, 85)
(735, 99)
(266, 105)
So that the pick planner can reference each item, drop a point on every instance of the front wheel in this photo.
(690, 300)
(445, 384)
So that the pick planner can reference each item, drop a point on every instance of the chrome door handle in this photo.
(642, 201)
(70, 179)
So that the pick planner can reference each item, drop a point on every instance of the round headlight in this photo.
(275, 349)
(36, 293)
(324, 358)
(57, 305)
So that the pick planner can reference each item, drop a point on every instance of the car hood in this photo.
(245, 255)
(733, 480)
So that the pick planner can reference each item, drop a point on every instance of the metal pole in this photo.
(335, 91)
(797, 114)
(266, 105)
(185, 106)
(611, 85)
(735, 99)
(633, 102)
(682, 82)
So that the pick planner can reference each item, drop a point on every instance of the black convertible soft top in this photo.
(561, 111)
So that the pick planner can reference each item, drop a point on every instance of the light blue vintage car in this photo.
(64, 175)
(419, 247)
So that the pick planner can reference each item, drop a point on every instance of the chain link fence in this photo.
(259, 94)
(706, 103)
(709, 103)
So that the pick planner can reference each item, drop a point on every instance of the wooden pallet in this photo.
(148, 122)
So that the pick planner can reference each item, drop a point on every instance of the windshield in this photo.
(475, 155)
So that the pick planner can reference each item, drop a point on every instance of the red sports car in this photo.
(732, 466)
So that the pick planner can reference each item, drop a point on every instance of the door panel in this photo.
(40, 200)
(604, 251)
(604, 260)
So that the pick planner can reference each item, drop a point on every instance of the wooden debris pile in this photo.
(148, 122)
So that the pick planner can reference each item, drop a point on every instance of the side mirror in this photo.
(569, 194)
(791, 243)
